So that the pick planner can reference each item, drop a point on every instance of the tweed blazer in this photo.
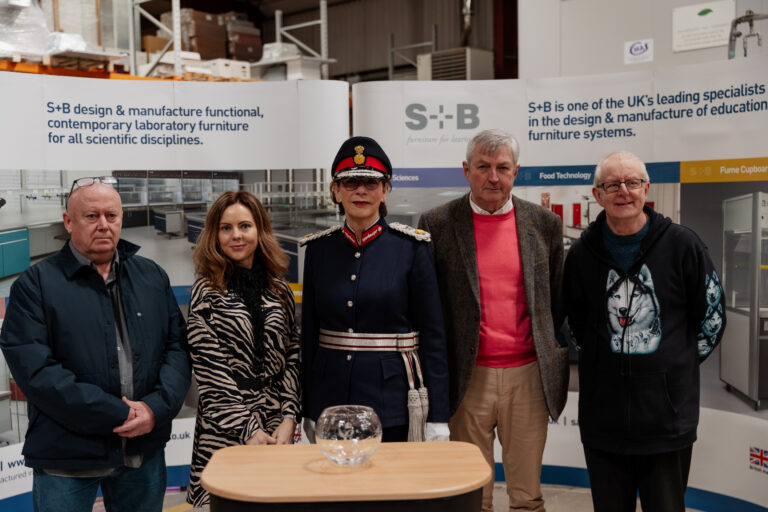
(540, 240)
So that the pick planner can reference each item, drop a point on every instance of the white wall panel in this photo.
(582, 37)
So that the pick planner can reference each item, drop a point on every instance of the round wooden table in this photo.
(439, 476)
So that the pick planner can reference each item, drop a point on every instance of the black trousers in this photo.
(394, 434)
(660, 479)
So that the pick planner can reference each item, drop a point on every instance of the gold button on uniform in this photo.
(350, 303)
(353, 277)
(357, 254)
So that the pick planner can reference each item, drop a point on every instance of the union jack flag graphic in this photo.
(758, 457)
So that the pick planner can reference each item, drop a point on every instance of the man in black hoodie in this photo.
(646, 307)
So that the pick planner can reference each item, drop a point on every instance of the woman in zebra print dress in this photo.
(242, 335)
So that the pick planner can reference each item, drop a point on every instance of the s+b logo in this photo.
(464, 117)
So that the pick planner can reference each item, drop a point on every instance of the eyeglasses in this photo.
(87, 182)
(611, 187)
(353, 183)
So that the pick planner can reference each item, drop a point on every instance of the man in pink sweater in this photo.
(499, 265)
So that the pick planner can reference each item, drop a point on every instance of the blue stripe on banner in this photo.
(707, 500)
(563, 475)
(659, 172)
(694, 498)
(664, 172)
(428, 177)
(182, 294)
(178, 476)
(555, 175)
(534, 176)
(18, 503)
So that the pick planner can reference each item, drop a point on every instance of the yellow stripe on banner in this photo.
(297, 291)
(178, 508)
(719, 171)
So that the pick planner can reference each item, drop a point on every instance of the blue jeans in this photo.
(125, 489)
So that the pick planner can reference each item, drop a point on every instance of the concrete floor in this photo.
(557, 498)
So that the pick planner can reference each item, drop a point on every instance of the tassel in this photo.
(424, 398)
(415, 417)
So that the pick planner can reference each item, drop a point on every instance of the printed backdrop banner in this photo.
(694, 124)
(16, 478)
(52, 122)
(705, 111)
(730, 458)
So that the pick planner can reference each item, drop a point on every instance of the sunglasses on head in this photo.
(87, 182)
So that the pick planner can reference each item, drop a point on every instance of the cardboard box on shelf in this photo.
(208, 48)
(191, 15)
(209, 30)
(152, 44)
(196, 24)
(232, 16)
(243, 27)
(245, 39)
(187, 58)
(228, 68)
(166, 70)
(248, 53)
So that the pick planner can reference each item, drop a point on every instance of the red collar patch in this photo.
(367, 237)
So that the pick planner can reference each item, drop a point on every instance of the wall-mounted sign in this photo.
(702, 25)
(638, 51)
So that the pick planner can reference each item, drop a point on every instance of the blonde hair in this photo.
(215, 267)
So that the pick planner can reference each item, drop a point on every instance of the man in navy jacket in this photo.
(94, 338)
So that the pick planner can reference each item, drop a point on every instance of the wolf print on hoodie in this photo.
(634, 319)
(713, 321)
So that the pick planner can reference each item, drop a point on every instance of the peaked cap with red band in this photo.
(361, 157)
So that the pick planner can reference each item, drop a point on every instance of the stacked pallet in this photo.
(243, 37)
(201, 32)
(214, 37)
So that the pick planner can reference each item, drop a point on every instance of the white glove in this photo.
(437, 432)
(309, 430)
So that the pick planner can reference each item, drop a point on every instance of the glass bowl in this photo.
(348, 434)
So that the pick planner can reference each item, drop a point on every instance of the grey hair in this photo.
(624, 155)
(491, 141)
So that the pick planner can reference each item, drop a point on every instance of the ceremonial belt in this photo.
(405, 343)
(369, 342)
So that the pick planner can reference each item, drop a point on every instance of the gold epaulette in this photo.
(319, 234)
(418, 234)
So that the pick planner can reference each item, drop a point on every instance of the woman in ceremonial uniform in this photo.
(372, 326)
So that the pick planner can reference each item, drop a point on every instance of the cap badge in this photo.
(359, 158)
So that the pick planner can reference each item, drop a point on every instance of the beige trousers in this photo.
(511, 400)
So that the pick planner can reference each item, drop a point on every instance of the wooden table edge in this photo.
(350, 495)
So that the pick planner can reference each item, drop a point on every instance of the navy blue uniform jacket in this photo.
(386, 286)
(60, 343)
